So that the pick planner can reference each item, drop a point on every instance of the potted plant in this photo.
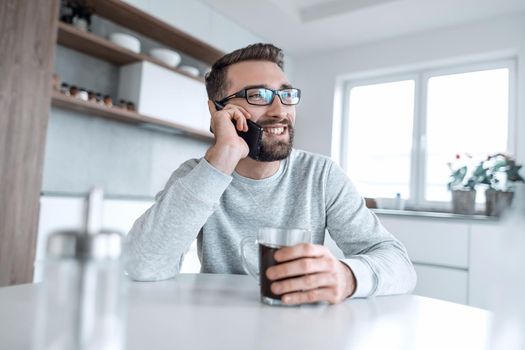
(463, 190)
(500, 173)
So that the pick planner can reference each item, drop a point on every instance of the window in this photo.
(399, 132)
(466, 112)
(379, 137)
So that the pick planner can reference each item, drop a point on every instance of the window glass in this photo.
(466, 113)
(379, 138)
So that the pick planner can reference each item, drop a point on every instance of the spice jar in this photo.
(121, 104)
(92, 97)
(66, 12)
(83, 94)
(82, 17)
(64, 89)
(73, 91)
(99, 98)
(108, 102)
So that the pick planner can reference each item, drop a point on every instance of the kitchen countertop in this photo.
(435, 214)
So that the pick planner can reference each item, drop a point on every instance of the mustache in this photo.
(283, 121)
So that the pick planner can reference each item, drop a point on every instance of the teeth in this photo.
(275, 131)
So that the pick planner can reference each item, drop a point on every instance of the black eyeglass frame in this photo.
(243, 94)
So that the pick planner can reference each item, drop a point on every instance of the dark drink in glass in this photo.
(269, 240)
(267, 260)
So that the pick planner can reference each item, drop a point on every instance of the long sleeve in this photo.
(378, 260)
(159, 238)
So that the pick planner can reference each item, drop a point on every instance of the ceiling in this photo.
(302, 26)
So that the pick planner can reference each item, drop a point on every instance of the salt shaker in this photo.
(83, 300)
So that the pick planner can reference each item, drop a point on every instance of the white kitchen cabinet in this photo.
(442, 283)
(165, 94)
(429, 241)
(451, 255)
(439, 249)
(484, 252)
(56, 213)
(120, 214)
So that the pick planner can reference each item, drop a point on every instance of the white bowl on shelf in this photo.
(126, 41)
(169, 57)
(190, 70)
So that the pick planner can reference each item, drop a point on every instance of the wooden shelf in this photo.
(140, 22)
(93, 109)
(130, 17)
(93, 45)
(96, 46)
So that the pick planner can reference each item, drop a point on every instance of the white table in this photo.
(199, 311)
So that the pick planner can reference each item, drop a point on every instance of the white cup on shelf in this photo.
(169, 57)
(190, 70)
(126, 41)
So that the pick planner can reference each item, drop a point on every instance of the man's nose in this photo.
(277, 109)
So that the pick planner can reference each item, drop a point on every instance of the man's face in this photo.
(276, 119)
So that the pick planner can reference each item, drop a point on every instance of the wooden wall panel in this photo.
(27, 46)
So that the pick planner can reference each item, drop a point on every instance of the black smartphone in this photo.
(252, 137)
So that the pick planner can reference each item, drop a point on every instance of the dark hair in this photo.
(216, 82)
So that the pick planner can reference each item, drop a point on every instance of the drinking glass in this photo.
(269, 240)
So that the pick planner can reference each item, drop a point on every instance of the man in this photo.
(226, 196)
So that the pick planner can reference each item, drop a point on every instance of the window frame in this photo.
(418, 155)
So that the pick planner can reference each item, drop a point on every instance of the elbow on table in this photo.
(146, 274)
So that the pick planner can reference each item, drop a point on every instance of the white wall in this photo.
(200, 21)
(317, 74)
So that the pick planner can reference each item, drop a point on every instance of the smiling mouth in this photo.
(274, 130)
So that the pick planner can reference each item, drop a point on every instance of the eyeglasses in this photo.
(261, 96)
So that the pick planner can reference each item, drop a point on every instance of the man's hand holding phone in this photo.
(229, 148)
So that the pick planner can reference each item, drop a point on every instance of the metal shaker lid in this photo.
(80, 245)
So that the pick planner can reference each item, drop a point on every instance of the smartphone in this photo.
(252, 137)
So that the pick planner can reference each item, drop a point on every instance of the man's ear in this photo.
(218, 106)
(211, 107)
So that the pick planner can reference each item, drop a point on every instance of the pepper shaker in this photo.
(82, 304)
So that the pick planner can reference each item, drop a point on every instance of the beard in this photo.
(271, 151)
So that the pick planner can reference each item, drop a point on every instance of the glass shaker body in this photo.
(83, 299)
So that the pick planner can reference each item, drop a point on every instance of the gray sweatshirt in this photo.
(308, 191)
